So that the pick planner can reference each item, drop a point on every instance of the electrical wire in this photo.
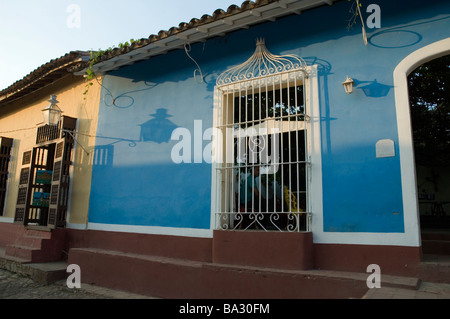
(362, 21)
(18, 130)
(198, 70)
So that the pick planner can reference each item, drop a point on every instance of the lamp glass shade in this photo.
(52, 113)
(348, 85)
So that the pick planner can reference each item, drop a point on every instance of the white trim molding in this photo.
(245, 73)
(406, 147)
(315, 149)
(7, 220)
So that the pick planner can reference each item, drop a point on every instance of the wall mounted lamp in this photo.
(348, 85)
(52, 113)
(52, 116)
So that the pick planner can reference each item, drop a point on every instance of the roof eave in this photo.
(43, 76)
(178, 38)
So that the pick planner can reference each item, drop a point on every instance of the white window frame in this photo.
(312, 145)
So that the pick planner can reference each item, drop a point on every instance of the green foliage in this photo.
(429, 93)
(95, 57)
(355, 11)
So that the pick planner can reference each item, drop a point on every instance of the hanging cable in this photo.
(362, 21)
(187, 49)
(18, 130)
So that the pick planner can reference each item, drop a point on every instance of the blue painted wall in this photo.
(135, 181)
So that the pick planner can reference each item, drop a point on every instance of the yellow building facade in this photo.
(21, 117)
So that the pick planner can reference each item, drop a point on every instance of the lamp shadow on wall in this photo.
(158, 130)
(373, 88)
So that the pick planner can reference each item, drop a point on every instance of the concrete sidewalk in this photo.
(18, 286)
(48, 280)
(426, 290)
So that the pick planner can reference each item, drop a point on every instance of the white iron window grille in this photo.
(261, 162)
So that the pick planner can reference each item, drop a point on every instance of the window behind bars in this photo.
(262, 178)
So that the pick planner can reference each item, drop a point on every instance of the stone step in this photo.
(17, 251)
(31, 241)
(32, 255)
(26, 253)
(436, 235)
(436, 247)
(148, 275)
(44, 273)
(37, 245)
(38, 233)
(47, 272)
(7, 258)
(386, 280)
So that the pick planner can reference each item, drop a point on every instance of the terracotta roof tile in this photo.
(194, 23)
(43, 75)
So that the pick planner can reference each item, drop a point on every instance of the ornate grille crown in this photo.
(261, 63)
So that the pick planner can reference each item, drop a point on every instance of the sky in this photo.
(33, 32)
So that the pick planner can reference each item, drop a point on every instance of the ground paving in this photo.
(426, 290)
(17, 286)
(45, 281)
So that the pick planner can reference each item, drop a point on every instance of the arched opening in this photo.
(410, 196)
(429, 100)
